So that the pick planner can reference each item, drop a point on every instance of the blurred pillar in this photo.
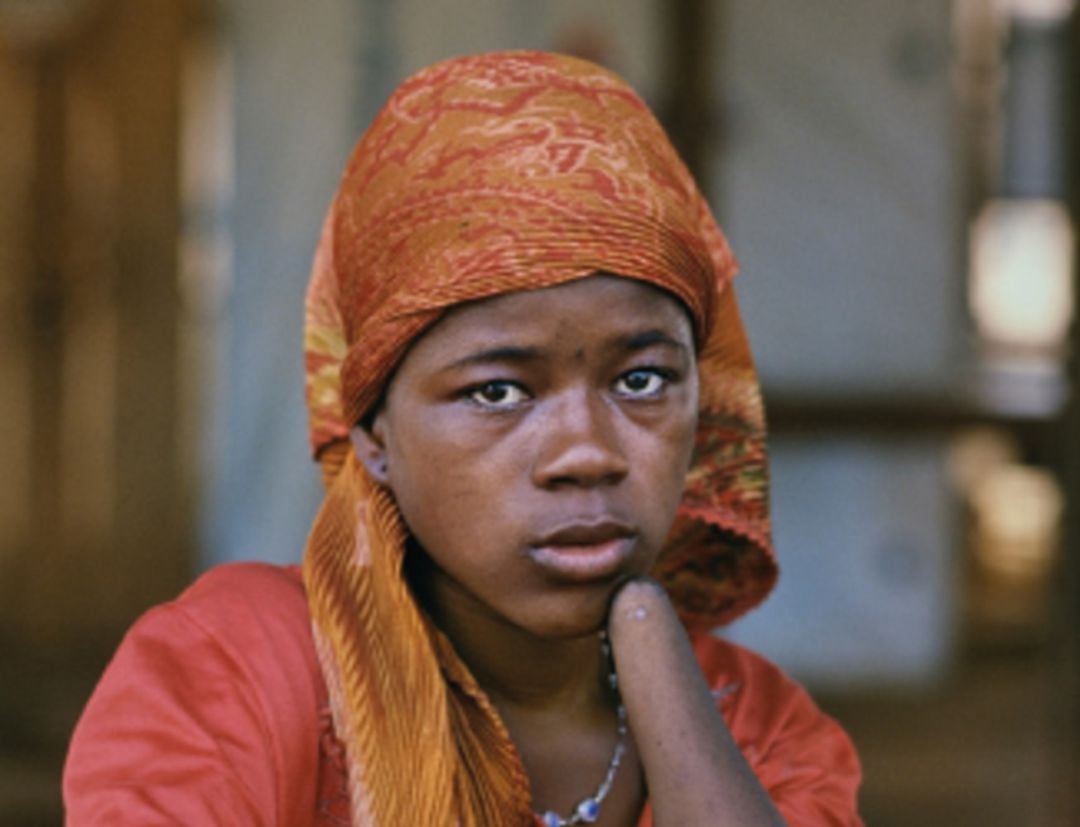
(1034, 162)
(1070, 689)
(152, 508)
(108, 531)
(44, 295)
(690, 80)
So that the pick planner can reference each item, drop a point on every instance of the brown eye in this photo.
(641, 383)
(498, 395)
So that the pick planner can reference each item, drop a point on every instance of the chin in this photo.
(570, 616)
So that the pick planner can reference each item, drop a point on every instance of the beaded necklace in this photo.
(588, 809)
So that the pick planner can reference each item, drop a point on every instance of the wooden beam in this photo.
(153, 553)
(45, 297)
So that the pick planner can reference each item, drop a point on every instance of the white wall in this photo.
(839, 188)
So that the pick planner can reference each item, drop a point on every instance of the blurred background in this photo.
(898, 179)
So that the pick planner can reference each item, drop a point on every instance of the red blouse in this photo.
(214, 712)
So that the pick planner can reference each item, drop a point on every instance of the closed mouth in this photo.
(586, 533)
(585, 551)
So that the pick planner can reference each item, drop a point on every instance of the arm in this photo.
(695, 773)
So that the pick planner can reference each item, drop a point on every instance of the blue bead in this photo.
(551, 819)
(588, 810)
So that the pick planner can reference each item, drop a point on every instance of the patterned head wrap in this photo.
(480, 176)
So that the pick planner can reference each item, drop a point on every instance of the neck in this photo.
(523, 671)
(519, 670)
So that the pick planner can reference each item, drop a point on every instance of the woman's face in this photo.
(537, 443)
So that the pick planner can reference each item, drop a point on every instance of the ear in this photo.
(369, 444)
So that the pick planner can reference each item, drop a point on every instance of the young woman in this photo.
(543, 446)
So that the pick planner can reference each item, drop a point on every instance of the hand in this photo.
(694, 771)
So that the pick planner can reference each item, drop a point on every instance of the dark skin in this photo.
(536, 444)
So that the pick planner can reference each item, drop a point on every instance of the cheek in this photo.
(680, 453)
(444, 489)
(673, 464)
(677, 437)
(663, 466)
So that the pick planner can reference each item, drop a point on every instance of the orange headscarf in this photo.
(480, 176)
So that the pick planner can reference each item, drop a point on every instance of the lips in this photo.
(585, 550)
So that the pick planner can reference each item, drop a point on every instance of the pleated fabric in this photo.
(480, 176)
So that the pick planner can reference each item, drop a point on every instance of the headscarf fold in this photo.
(481, 176)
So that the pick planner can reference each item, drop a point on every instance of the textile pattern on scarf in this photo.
(480, 176)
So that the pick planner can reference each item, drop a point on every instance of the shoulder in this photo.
(801, 755)
(239, 599)
(738, 673)
(210, 703)
(235, 585)
(248, 619)
(242, 624)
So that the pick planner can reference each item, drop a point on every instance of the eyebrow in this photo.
(649, 338)
(505, 353)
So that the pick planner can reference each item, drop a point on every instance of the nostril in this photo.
(583, 463)
(579, 443)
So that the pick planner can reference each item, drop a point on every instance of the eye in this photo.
(642, 383)
(497, 395)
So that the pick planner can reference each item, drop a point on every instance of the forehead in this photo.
(596, 303)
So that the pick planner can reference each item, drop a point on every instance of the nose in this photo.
(578, 443)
